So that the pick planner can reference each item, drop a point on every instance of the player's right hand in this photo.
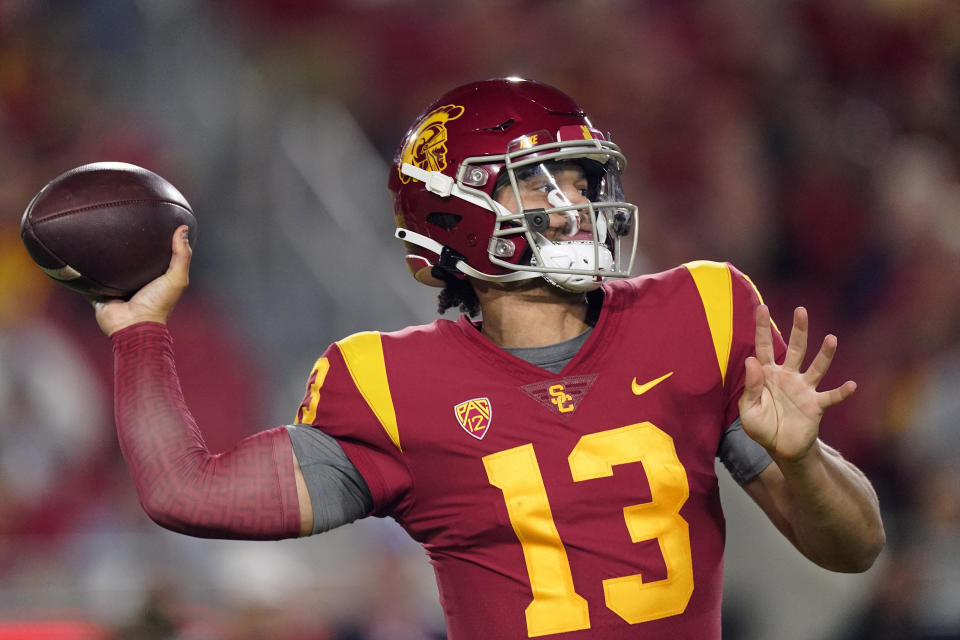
(155, 301)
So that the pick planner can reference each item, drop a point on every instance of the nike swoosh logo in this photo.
(640, 389)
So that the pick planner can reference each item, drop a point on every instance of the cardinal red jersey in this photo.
(582, 504)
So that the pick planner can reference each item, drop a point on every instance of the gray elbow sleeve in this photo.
(338, 493)
(743, 457)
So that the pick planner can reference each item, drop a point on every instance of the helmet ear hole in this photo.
(446, 221)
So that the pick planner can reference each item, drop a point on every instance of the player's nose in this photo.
(576, 196)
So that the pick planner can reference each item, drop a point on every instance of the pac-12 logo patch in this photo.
(474, 416)
(427, 146)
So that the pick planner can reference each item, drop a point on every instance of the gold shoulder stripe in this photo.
(308, 414)
(760, 298)
(714, 284)
(363, 353)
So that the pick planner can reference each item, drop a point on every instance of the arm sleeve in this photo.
(248, 492)
(338, 493)
(743, 457)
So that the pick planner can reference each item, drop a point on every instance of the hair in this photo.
(458, 293)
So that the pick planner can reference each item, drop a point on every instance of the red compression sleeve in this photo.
(248, 492)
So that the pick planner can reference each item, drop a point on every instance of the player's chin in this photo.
(548, 291)
(518, 286)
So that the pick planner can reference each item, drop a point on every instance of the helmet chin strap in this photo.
(435, 247)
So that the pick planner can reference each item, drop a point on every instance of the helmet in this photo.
(489, 135)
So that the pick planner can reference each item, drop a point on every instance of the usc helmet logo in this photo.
(427, 148)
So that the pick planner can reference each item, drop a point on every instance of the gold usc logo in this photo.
(560, 397)
(427, 148)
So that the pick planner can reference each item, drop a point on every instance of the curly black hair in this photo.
(458, 293)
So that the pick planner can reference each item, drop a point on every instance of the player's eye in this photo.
(536, 186)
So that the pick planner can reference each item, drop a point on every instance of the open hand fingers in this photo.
(763, 339)
(797, 347)
(821, 363)
(818, 369)
(753, 383)
(833, 397)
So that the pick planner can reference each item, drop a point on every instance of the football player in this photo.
(553, 453)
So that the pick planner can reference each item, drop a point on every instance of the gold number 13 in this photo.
(556, 606)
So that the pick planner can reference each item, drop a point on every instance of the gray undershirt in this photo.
(552, 357)
(339, 494)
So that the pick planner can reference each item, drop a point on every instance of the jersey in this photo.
(579, 504)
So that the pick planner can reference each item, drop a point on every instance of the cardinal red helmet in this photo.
(494, 134)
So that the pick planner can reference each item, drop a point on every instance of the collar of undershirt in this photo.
(552, 357)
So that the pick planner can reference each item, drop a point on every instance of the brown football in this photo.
(105, 229)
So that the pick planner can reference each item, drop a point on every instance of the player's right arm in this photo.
(254, 491)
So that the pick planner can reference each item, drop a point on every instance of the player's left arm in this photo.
(821, 502)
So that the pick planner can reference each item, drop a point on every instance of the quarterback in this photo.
(553, 449)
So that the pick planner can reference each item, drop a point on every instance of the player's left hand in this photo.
(780, 407)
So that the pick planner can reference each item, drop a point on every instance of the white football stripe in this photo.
(63, 273)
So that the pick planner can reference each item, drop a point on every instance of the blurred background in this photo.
(813, 143)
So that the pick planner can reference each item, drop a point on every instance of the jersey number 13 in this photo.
(556, 606)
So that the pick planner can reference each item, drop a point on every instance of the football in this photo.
(105, 229)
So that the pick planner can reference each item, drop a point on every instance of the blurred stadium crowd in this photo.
(813, 143)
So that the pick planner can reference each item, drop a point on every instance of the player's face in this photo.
(544, 188)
